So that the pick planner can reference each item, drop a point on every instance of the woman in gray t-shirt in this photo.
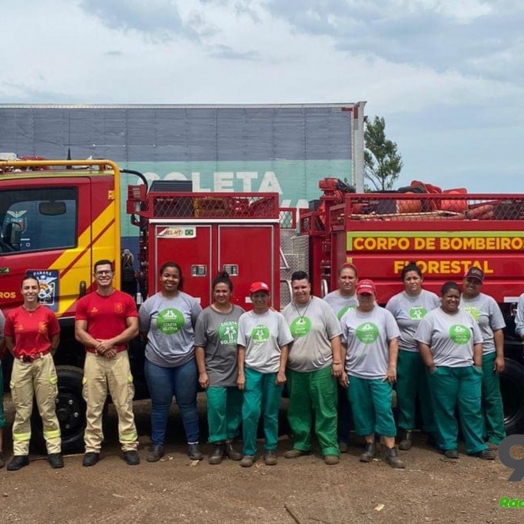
(450, 344)
(409, 307)
(168, 319)
(216, 334)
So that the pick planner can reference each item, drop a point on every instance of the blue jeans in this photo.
(163, 383)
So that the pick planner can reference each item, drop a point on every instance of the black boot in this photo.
(56, 460)
(231, 452)
(370, 452)
(407, 441)
(18, 462)
(393, 459)
(217, 455)
(194, 452)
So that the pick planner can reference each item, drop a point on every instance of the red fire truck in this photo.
(58, 217)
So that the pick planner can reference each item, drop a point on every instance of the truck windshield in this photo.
(36, 219)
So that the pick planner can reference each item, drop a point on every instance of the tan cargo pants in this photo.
(35, 379)
(101, 374)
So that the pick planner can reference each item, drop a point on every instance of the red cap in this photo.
(366, 286)
(258, 286)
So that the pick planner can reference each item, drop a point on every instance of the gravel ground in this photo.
(301, 491)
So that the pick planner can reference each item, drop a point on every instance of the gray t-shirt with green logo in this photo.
(217, 333)
(312, 325)
(263, 336)
(169, 324)
(450, 337)
(366, 336)
(408, 312)
(486, 312)
(339, 303)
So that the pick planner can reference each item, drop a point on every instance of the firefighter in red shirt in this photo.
(32, 334)
(105, 321)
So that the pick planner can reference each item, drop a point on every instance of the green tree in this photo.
(382, 161)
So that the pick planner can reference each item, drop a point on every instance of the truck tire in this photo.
(512, 388)
(70, 410)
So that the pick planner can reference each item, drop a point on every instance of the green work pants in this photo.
(224, 412)
(453, 388)
(412, 382)
(492, 401)
(313, 392)
(261, 395)
(370, 401)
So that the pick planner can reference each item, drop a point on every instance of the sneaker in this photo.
(156, 452)
(56, 460)
(217, 455)
(407, 441)
(331, 460)
(485, 454)
(18, 462)
(247, 461)
(90, 459)
(343, 447)
(231, 452)
(451, 454)
(295, 453)
(131, 458)
(393, 459)
(492, 445)
(194, 452)
(2, 463)
(370, 452)
(270, 458)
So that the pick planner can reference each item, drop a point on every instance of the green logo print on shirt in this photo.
(367, 333)
(300, 327)
(417, 312)
(459, 334)
(170, 321)
(473, 311)
(227, 332)
(342, 312)
(260, 334)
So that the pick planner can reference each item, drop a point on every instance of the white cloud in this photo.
(446, 75)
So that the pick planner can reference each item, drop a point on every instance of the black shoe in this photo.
(231, 452)
(18, 462)
(2, 463)
(156, 452)
(217, 455)
(451, 454)
(56, 460)
(194, 452)
(406, 441)
(486, 454)
(90, 459)
(270, 458)
(370, 453)
(131, 458)
(393, 460)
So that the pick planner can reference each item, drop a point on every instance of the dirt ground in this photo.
(300, 491)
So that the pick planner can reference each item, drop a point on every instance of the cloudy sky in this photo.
(447, 75)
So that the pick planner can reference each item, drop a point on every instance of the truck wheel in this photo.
(71, 408)
(512, 389)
